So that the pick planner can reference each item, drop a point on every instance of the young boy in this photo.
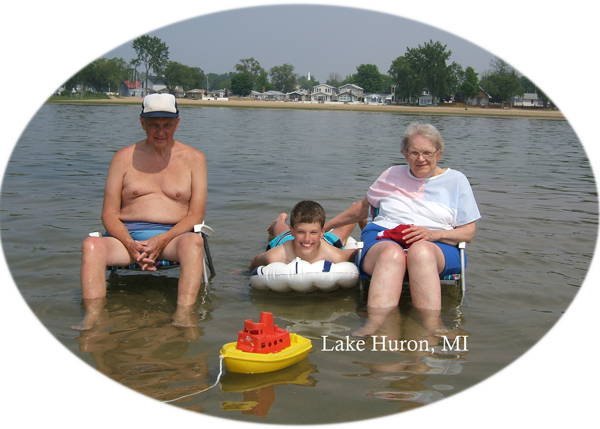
(305, 238)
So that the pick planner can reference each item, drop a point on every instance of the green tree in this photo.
(429, 64)
(470, 84)
(152, 53)
(220, 81)
(351, 78)
(546, 93)
(503, 63)
(502, 87)
(528, 86)
(335, 79)
(283, 77)
(408, 83)
(241, 84)
(199, 78)
(85, 64)
(251, 67)
(502, 82)
(386, 83)
(103, 74)
(262, 82)
(177, 74)
(304, 83)
(367, 76)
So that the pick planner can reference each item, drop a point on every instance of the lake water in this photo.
(533, 246)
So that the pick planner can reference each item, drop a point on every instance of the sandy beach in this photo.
(406, 110)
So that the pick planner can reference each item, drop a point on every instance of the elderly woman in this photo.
(424, 212)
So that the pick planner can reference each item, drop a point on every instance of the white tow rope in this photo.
(216, 382)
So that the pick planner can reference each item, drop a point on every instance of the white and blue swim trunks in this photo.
(141, 231)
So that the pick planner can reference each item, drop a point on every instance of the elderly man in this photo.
(155, 193)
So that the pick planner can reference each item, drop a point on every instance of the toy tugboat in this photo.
(263, 347)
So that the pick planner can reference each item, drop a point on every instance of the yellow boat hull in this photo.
(256, 363)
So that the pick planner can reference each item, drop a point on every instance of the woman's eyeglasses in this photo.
(416, 155)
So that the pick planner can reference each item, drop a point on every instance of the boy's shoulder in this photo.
(331, 253)
(283, 253)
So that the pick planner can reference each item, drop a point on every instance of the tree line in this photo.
(426, 66)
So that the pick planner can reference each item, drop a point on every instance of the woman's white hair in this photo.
(421, 129)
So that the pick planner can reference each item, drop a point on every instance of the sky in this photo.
(312, 38)
(550, 386)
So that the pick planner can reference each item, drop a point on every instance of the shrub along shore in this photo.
(405, 110)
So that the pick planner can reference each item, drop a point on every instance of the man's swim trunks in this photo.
(141, 231)
(287, 236)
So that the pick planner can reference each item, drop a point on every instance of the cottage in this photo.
(130, 88)
(323, 92)
(269, 95)
(178, 92)
(375, 98)
(528, 100)
(350, 92)
(481, 99)
(155, 84)
(195, 93)
(220, 93)
(426, 98)
(297, 95)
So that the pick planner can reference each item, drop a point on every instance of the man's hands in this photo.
(147, 252)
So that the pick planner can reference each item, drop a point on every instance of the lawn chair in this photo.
(201, 229)
(456, 279)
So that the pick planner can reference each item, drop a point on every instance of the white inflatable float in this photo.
(302, 276)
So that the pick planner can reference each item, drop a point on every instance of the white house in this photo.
(268, 95)
(528, 100)
(323, 92)
(375, 98)
(155, 84)
(220, 93)
(426, 98)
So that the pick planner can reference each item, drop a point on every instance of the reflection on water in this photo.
(258, 389)
(402, 334)
(133, 341)
(532, 249)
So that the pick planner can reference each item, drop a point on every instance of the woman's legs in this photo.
(425, 261)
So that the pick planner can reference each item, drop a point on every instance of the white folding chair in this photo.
(201, 229)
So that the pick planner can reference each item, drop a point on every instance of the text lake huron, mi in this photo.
(383, 344)
(533, 247)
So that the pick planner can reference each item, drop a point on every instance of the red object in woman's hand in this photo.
(395, 234)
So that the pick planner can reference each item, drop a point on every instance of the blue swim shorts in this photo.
(369, 238)
(287, 236)
(141, 231)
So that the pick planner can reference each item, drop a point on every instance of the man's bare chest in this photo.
(173, 183)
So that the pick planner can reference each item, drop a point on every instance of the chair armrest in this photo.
(201, 227)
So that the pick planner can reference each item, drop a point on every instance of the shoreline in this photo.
(405, 110)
